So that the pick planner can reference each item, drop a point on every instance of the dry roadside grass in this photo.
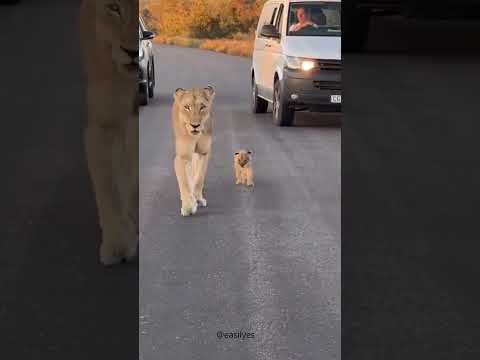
(238, 46)
(229, 46)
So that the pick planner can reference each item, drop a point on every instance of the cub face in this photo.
(194, 108)
(243, 157)
(116, 24)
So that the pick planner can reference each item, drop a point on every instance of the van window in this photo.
(266, 17)
(272, 20)
(314, 18)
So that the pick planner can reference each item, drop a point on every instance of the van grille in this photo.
(328, 85)
(332, 65)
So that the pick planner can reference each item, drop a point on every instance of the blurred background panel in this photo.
(56, 300)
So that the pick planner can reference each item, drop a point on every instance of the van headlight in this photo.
(141, 53)
(297, 63)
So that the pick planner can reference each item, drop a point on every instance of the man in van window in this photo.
(303, 20)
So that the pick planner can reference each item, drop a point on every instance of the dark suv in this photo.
(146, 64)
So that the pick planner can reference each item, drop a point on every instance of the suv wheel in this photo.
(144, 94)
(283, 115)
(259, 105)
(151, 81)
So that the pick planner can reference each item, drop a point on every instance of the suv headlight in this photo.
(297, 63)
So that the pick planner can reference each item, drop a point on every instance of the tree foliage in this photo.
(205, 18)
(150, 19)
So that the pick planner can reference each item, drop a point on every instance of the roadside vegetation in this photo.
(225, 26)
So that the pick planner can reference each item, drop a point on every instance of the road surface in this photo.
(265, 260)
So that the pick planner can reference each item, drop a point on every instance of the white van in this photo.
(297, 58)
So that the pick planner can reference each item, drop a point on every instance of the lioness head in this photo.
(243, 157)
(117, 28)
(194, 107)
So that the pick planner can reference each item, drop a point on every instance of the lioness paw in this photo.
(188, 211)
(189, 207)
(112, 253)
(202, 201)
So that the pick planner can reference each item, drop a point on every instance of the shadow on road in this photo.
(308, 119)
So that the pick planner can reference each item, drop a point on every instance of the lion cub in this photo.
(242, 162)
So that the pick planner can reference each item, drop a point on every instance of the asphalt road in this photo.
(265, 260)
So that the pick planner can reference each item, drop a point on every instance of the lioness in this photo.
(109, 39)
(192, 120)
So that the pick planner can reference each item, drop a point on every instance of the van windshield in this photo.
(314, 19)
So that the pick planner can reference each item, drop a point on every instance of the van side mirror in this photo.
(148, 35)
(270, 31)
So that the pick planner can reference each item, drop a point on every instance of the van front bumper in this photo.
(312, 90)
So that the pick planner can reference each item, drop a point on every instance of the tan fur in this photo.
(111, 136)
(192, 107)
(242, 161)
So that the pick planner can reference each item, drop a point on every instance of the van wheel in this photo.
(283, 115)
(259, 105)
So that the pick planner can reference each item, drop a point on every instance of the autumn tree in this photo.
(207, 18)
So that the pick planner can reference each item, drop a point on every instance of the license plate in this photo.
(336, 99)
